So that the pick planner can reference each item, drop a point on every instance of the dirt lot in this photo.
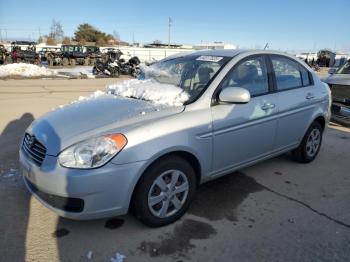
(277, 210)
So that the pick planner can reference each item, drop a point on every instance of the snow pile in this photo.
(150, 90)
(25, 70)
(94, 95)
(118, 258)
(152, 71)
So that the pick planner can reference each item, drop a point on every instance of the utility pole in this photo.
(169, 25)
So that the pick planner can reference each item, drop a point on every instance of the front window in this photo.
(191, 73)
(250, 74)
(345, 69)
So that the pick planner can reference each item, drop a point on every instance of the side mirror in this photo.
(234, 95)
(332, 70)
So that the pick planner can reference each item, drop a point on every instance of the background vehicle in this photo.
(23, 51)
(3, 54)
(93, 54)
(106, 67)
(325, 58)
(74, 54)
(50, 55)
(339, 83)
(229, 109)
(129, 65)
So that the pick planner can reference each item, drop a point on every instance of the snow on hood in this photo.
(150, 90)
(25, 70)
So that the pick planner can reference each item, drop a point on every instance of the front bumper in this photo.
(81, 193)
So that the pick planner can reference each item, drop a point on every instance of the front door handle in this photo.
(310, 96)
(267, 106)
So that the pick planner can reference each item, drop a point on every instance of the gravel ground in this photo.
(277, 210)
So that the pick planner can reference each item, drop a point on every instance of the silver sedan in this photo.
(103, 156)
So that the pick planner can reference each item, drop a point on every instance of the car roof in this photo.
(220, 52)
(227, 53)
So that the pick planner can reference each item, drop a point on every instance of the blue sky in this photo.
(286, 25)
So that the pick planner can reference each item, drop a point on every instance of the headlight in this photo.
(93, 152)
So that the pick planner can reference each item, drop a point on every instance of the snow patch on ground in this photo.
(150, 90)
(25, 70)
(118, 258)
(77, 71)
(11, 173)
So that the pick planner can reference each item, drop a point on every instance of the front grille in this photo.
(340, 93)
(68, 204)
(34, 150)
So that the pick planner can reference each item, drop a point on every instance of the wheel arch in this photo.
(184, 154)
(321, 120)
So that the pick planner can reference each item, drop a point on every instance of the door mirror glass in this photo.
(234, 95)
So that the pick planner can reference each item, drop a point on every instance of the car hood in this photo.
(80, 120)
(338, 79)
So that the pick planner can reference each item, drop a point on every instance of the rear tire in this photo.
(310, 145)
(115, 72)
(51, 62)
(164, 191)
(65, 61)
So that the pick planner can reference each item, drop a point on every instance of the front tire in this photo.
(164, 192)
(310, 145)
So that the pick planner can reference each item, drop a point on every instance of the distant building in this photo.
(309, 57)
(160, 45)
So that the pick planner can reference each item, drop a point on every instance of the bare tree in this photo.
(66, 40)
(56, 31)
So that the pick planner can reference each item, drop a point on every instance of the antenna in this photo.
(169, 25)
(266, 46)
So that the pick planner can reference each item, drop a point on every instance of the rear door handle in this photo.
(310, 96)
(267, 106)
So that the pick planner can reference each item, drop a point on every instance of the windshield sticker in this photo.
(209, 58)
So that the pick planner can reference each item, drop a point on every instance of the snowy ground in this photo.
(33, 71)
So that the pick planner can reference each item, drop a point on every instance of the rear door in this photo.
(245, 132)
(297, 98)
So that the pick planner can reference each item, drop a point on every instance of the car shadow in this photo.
(15, 204)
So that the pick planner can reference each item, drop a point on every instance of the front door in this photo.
(243, 133)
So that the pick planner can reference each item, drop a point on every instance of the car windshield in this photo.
(191, 73)
(345, 69)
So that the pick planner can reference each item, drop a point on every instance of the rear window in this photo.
(289, 74)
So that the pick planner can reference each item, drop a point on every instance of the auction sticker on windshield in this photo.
(209, 58)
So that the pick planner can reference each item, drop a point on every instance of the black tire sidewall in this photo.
(140, 205)
(306, 157)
